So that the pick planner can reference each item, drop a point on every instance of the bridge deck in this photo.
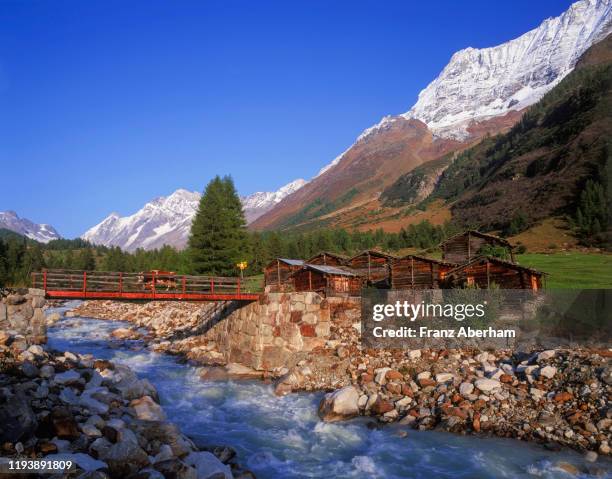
(159, 286)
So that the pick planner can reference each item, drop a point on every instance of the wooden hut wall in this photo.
(484, 274)
(344, 284)
(308, 280)
(463, 248)
(278, 272)
(373, 267)
(414, 273)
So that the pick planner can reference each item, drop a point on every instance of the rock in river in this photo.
(339, 405)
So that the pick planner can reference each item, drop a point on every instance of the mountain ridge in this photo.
(166, 220)
(382, 153)
(40, 232)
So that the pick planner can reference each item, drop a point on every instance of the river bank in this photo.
(283, 436)
(556, 398)
(70, 406)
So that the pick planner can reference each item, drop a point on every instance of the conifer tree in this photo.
(218, 237)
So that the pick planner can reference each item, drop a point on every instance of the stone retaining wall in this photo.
(265, 334)
(22, 315)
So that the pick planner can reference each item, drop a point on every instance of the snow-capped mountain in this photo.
(258, 203)
(167, 220)
(482, 83)
(39, 232)
(480, 91)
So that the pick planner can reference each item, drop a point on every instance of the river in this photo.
(283, 438)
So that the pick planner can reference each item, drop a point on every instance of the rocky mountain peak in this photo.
(40, 232)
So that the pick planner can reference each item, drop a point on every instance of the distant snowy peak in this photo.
(482, 83)
(260, 202)
(167, 220)
(39, 232)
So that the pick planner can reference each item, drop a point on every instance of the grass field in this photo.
(572, 270)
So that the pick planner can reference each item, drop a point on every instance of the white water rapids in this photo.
(283, 437)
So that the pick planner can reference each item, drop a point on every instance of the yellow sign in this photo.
(242, 265)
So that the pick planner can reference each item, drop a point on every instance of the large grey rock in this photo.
(466, 388)
(17, 420)
(125, 458)
(176, 469)
(340, 404)
(67, 377)
(548, 372)
(147, 409)
(208, 466)
(164, 433)
(487, 385)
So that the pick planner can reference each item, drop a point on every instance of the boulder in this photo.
(147, 409)
(164, 433)
(176, 469)
(208, 466)
(340, 404)
(125, 458)
(548, 371)
(68, 377)
(17, 420)
(487, 385)
(64, 424)
(92, 404)
(381, 406)
(238, 371)
(444, 377)
(466, 388)
(47, 371)
(544, 355)
(124, 333)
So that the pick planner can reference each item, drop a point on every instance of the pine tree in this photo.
(114, 260)
(32, 261)
(218, 237)
(85, 260)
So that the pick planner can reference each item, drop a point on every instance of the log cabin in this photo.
(485, 271)
(374, 266)
(327, 280)
(277, 274)
(329, 259)
(464, 247)
(418, 272)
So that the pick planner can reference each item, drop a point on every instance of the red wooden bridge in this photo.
(150, 285)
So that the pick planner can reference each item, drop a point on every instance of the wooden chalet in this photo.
(418, 272)
(374, 266)
(484, 271)
(277, 274)
(328, 280)
(464, 247)
(329, 259)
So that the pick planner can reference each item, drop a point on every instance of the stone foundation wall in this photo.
(21, 314)
(265, 334)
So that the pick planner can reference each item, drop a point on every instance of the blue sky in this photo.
(105, 105)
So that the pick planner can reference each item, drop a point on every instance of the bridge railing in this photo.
(147, 283)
